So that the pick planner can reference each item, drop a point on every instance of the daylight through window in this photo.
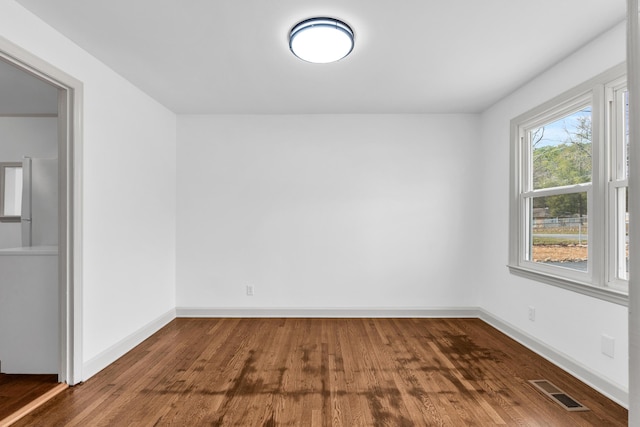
(569, 190)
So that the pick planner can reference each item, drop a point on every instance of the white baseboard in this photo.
(613, 391)
(113, 353)
(329, 312)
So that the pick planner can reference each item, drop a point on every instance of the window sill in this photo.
(605, 294)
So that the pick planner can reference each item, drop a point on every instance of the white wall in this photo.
(25, 136)
(326, 211)
(570, 323)
(128, 191)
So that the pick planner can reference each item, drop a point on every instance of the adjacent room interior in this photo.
(207, 173)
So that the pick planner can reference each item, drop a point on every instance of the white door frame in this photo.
(70, 92)
(633, 83)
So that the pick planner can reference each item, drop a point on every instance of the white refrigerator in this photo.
(39, 202)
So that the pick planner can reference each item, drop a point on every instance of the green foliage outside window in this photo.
(561, 162)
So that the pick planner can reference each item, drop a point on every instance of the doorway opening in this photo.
(68, 243)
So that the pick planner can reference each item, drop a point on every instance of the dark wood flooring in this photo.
(325, 372)
(16, 391)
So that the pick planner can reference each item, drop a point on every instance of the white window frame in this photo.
(599, 280)
(617, 178)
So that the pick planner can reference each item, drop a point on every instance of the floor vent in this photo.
(558, 396)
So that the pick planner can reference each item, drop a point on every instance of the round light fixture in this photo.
(321, 40)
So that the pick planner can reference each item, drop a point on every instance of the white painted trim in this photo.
(616, 392)
(633, 63)
(39, 115)
(70, 107)
(593, 281)
(606, 294)
(355, 312)
(113, 353)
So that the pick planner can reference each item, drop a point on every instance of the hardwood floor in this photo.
(325, 372)
(17, 391)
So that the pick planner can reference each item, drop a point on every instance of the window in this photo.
(569, 198)
(618, 210)
(10, 191)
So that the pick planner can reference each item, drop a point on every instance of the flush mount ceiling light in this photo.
(321, 40)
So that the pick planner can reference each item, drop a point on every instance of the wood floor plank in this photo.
(325, 372)
(33, 405)
(16, 391)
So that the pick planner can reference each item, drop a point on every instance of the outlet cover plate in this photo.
(608, 346)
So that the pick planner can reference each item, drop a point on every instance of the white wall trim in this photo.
(346, 312)
(633, 62)
(113, 353)
(605, 294)
(612, 390)
(70, 158)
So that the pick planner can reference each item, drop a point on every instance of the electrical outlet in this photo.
(249, 290)
(608, 345)
(532, 313)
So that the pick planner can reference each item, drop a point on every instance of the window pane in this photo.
(622, 234)
(561, 151)
(626, 132)
(12, 182)
(559, 231)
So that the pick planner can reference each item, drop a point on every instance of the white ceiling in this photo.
(411, 56)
